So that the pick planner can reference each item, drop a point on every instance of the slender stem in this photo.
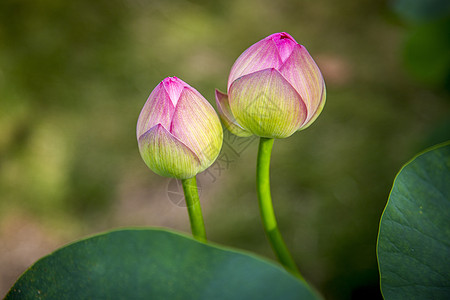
(266, 208)
(194, 208)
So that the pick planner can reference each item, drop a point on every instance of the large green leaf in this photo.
(154, 264)
(414, 237)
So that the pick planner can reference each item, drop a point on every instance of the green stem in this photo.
(266, 208)
(194, 208)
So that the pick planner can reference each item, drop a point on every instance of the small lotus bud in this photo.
(274, 89)
(178, 131)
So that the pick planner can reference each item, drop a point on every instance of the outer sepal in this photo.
(158, 109)
(318, 110)
(266, 104)
(226, 116)
(304, 75)
(196, 124)
(166, 155)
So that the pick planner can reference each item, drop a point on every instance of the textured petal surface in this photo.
(260, 56)
(266, 104)
(157, 110)
(318, 110)
(166, 155)
(197, 125)
(225, 114)
(304, 75)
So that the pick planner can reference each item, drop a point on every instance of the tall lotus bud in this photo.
(178, 131)
(274, 89)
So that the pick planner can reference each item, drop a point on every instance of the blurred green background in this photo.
(74, 76)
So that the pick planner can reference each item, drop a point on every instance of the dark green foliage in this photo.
(414, 238)
(154, 264)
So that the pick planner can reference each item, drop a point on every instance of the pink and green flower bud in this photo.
(274, 89)
(178, 131)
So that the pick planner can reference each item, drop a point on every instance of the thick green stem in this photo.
(266, 208)
(194, 208)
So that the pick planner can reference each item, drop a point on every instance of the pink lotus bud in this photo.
(274, 89)
(178, 131)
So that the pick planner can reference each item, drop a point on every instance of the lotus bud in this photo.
(274, 89)
(179, 133)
